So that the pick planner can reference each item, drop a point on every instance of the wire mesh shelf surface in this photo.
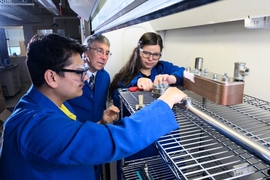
(157, 169)
(198, 151)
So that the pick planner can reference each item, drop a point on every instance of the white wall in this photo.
(221, 45)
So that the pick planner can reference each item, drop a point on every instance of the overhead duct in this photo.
(14, 11)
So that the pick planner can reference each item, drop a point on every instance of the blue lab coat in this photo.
(90, 106)
(41, 142)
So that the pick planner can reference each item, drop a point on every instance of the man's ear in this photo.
(50, 77)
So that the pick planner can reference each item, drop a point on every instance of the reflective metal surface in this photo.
(159, 89)
(236, 136)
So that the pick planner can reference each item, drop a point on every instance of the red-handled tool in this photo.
(134, 89)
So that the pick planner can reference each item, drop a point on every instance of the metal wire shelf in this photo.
(198, 151)
(157, 169)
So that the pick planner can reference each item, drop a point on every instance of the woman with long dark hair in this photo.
(144, 68)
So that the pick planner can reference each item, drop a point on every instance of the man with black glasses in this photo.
(43, 139)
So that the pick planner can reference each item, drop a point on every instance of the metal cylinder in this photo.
(159, 89)
(199, 63)
(240, 71)
(188, 69)
(244, 141)
(225, 78)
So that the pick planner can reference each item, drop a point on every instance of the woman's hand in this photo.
(165, 78)
(109, 115)
(145, 84)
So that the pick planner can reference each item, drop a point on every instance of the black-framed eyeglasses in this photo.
(147, 54)
(81, 72)
(100, 51)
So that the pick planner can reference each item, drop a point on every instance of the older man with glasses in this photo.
(90, 106)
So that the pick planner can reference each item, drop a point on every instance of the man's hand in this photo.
(172, 96)
(109, 115)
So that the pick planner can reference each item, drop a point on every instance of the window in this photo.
(44, 31)
(15, 40)
(50, 31)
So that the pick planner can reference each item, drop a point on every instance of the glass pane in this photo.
(44, 31)
(61, 32)
(14, 36)
(15, 51)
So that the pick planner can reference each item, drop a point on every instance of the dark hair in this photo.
(133, 66)
(50, 51)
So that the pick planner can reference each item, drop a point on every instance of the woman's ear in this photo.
(50, 77)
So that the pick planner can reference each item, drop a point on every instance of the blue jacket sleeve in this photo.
(40, 140)
(171, 69)
(54, 139)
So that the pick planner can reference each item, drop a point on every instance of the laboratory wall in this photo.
(220, 46)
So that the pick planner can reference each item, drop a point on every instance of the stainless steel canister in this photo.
(199, 63)
(159, 89)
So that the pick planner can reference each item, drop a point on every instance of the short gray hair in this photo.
(96, 37)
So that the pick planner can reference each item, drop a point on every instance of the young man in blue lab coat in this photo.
(43, 139)
(90, 106)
